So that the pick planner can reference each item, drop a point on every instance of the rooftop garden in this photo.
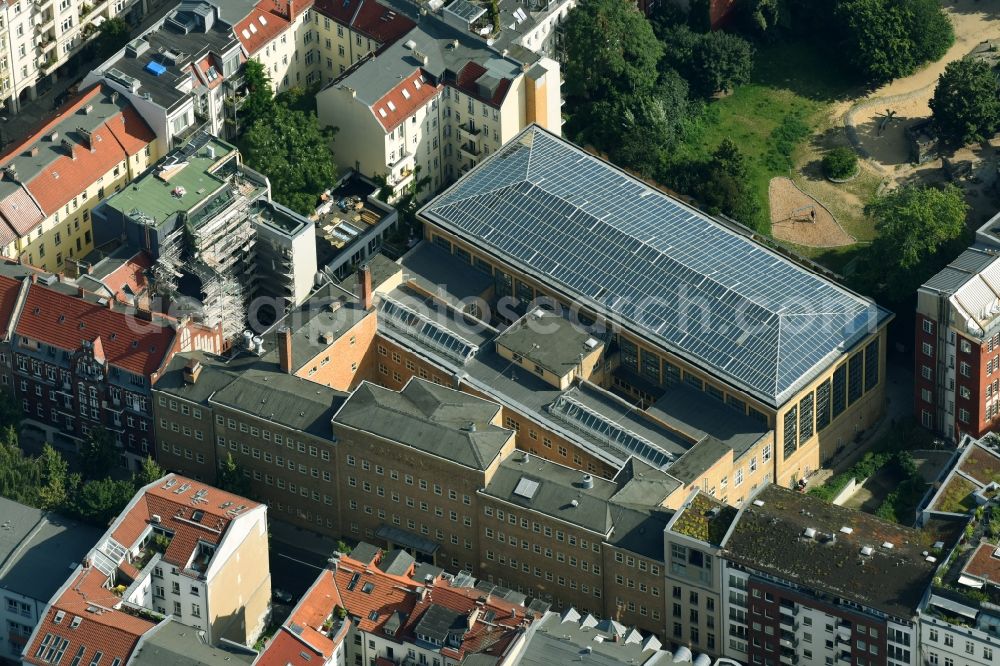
(705, 520)
(158, 543)
(982, 466)
(956, 496)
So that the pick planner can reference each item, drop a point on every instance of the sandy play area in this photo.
(798, 218)
(974, 22)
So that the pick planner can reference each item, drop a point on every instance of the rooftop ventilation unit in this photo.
(758, 502)
(887, 545)
(847, 530)
(809, 533)
(866, 551)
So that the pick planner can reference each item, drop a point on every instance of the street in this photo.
(293, 570)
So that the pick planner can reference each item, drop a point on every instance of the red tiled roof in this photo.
(285, 649)
(175, 507)
(203, 66)
(131, 130)
(131, 274)
(9, 289)
(368, 17)
(406, 97)
(381, 23)
(20, 213)
(65, 177)
(101, 628)
(65, 321)
(466, 82)
(261, 26)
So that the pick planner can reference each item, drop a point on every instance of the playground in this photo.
(799, 218)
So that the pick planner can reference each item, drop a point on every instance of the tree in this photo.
(230, 477)
(759, 17)
(98, 454)
(966, 106)
(53, 476)
(840, 163)
(720, 184)
(914, 225)
(293, 151)
(111, 37)
(100, 500)
(610, 51)
(888, 39)
(720, 62)
(148, 473)
(11, 413)
(259, 101)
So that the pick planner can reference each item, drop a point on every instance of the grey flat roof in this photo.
(569, 636)
(660, 268)
(771, 538)
(176, 644)
(690, 466)
(430, 418)
(437, 271)
(39, 550)
(436, 40)
(549, 340)
(528, 393)
(699, 415)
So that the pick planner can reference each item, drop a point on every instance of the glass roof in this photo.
(655, 265)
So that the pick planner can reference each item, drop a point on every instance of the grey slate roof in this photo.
(434, 269)
(270, 394)
(38, 550)
(690, 466)
(569, 637)
(396, 563)
(430, 418)
(176, 644)
(666, 271)
(364, 552)
(959, 271)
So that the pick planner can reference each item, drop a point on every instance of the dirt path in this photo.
(799, 218)
(908, 97)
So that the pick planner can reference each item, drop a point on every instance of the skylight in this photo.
(382, 112)
(406, 93)
(263, 21)
(246, 34)
(526, 488)
(253, 28)
(392, 107)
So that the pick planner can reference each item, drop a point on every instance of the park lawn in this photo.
(792, 84)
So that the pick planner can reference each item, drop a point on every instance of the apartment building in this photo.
(35, 550)
(959, 620)
(80, 363)
(53, 179)
(693, 566)
(818, 388)
(382, 607)
(957, 347)
(280, 36)
(814, 583)
(400, 112)
(350, 30)
(39, 38)
(208, 223)
(180, 72)
(179, 549)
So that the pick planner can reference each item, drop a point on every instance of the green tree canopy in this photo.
(965, 104)
(720, 62)
(100, 500)
(291, 149)
(889, 39)
(98, 454)
(259, 100)
(148, 473)
(230, 477)
(915, 225)
(611, 51)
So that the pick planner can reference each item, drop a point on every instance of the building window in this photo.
(927, 349)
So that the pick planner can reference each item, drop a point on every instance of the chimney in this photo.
(365, 280)
(192, 370)
(70, 149)
(285, 349)
(79, 290)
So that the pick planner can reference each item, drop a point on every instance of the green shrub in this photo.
(840, 163)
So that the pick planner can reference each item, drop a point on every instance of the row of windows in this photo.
(538, 528)
(561, 557)
(279, 461)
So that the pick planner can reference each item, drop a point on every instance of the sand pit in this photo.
(792, 218)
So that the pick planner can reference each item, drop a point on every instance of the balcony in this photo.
(468, 130)
(470, 150)
(789, 643)
(788, 659)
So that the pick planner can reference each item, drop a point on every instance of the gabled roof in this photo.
(666, 271)
(403, 100)
(372, 19)
(9, 289)
(100, 132)
(262, 25)
(65, 322)
(99, 627)
(972, 285)
(450, 424)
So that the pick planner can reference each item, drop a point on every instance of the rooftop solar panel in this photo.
(657, 266)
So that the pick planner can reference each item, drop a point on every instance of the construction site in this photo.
(200, 214)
